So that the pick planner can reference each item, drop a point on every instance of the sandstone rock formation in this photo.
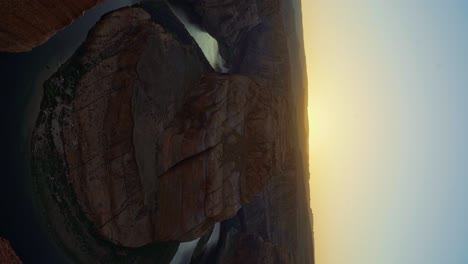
(229, 21)
(27, 24)
(121, 106)
(267, 49)
(139, 135)
(7, 254)
(159, 151)
(131, 49)
(118, 97)
(220, 151)
(253, 249)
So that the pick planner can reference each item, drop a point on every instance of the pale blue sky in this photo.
(388, 93)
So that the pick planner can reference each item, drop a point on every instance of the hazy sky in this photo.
(388, 114)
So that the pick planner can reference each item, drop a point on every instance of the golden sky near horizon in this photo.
(344, 130)
(387, 130)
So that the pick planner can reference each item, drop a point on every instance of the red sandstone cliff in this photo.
(252, 249)
(7, 254)
(162, 153)
(27, 24)
(158, 147)
(259, 39)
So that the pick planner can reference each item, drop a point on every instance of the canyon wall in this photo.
(139, 143)
(27, 24)
(7, 254)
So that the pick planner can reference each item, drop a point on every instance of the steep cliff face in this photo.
(251, 35)
(122, 104)
(228, 21)
(156, 146)
(7, 254)
(84, 162)
(27, 24)
(103, 119)
(265, 46)
(140, 141)
(226, 144)
(253, 249)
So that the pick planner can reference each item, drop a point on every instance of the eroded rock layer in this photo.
(7, 254)
(156, 146)
(27, 24)
(143, 139)
(121, 106)
(220, 151)
(94, 128)
(266, 45)
(253, 249)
